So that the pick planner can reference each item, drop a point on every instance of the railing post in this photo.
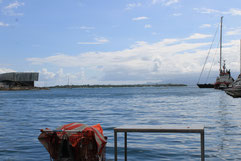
(125, 146)
(202, 146)
(115, 142)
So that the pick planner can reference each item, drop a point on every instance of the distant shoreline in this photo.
(111, 86)
(91, 86)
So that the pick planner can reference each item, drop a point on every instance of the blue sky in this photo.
(117, 42)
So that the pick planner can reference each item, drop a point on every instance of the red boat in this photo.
(224, 80)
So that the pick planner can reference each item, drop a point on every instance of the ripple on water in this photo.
(23, 113)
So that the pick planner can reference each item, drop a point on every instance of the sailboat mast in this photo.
(240, 57)
(220, 61)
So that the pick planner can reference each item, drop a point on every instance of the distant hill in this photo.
(106, 86)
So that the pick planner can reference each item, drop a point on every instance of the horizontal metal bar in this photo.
(163, 128)
(159, 130)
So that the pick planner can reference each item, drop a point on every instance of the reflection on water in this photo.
(228, 128)
(23, 113)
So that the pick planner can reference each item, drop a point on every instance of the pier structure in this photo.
(160, 129)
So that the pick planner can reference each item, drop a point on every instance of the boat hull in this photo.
(224, 85)
(236, 93)
(205, 85)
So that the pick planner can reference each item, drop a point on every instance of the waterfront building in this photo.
(18, 79)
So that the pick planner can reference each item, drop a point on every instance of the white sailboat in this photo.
(224, 80)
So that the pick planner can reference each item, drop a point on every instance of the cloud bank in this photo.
(141, 62)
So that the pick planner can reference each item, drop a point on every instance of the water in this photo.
(23, 113)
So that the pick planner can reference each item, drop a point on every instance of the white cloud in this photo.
(205, 25)
(155, 33)
(98, 41)
(2, 24)
(147, 26)
(167, 57)
(155, 61)
(59, 60)
(49, 78)
(133, 5)
(6, 70)
(235, 12)
(198, 36)
(45, 74)
(206, 10)
(156, 1)
(177, 14)
(231, 11)
(86, 28)
(165, 2)
(140, 18)
(163, 59)
(14, 5)
(169, 2)
(10, 9)
(234, 32)
(138, 44)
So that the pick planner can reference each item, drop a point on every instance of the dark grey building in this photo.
(18, 79)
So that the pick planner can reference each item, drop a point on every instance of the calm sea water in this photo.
(23, 113)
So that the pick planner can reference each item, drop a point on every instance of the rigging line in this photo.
(212, 62)
(208, 53)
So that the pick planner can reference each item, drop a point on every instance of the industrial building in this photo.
(18, 79)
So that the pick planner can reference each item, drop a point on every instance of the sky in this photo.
(118, 41)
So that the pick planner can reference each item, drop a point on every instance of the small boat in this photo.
(224, 80)
(235, 91)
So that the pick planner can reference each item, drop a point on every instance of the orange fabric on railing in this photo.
(98, 127)
(84, 134)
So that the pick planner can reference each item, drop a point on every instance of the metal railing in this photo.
(160, 129)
